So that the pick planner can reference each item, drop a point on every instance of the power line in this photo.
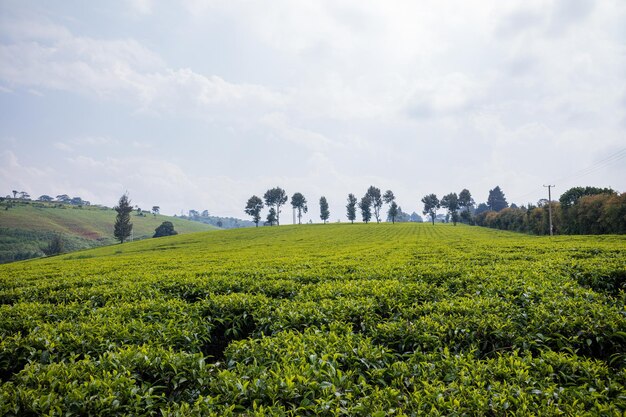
(598, 165)
(595, 167)
(549, 187)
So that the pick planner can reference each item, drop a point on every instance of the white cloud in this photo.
(14, 175)
(143, 7)
(62, 146)
(125, 71)
(326, 97)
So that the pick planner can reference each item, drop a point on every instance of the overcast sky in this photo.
(200, 104)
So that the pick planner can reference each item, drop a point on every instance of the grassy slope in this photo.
(27, 227)
(506, 304)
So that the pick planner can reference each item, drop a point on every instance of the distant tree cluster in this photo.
(274, 199)
(369, 207)
(45, 198)
(458, 207)
(371, 204)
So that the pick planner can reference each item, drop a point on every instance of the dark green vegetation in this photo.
(28, 227)
(165, 229)
(600, 212)
(123, 227)
(337, 319)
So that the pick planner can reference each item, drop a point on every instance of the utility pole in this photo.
(550, 205)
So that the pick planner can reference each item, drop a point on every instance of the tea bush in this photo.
(379, 319)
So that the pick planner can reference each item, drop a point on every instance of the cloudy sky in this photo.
(198, 104)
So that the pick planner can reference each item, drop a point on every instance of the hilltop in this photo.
(335, 319)
(27, 227)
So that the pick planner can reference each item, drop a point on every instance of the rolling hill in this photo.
(335, 319)
(27, 227)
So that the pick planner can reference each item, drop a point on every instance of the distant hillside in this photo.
(27, 227)
(221, 222)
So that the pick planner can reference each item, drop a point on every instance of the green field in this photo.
(27, 227)
(341, 319)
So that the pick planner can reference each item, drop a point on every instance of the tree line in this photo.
(580, 210)
(61, 198)
(369, 205)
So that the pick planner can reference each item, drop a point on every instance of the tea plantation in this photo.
(341, 319)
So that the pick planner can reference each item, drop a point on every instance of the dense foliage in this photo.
(165, 229)
(342, 319)
(595, 214)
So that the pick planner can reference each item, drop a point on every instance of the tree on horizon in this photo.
(298, 202)
(253, 208)
(275, 197)
(351, 207)
(271, 217)
(389, 198)
(451, 203)
(366, 208)
(375, 200)
(466, 202)
(431, 204)
(324, 212)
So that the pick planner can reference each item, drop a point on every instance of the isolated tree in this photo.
(275, 197)
(393, 212)
(76, 201)
(165, 229)
(366, 208)
(376, 201)
(431, 204)
(351, 207)
(298, 202)
(45, 198)
(271, 217)
(55, 246)
(123, 227)
(14, 193)
(451, 203)
(155, 210)
(24, 195)
(324, 212)
(496, 200)
(253, 208)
